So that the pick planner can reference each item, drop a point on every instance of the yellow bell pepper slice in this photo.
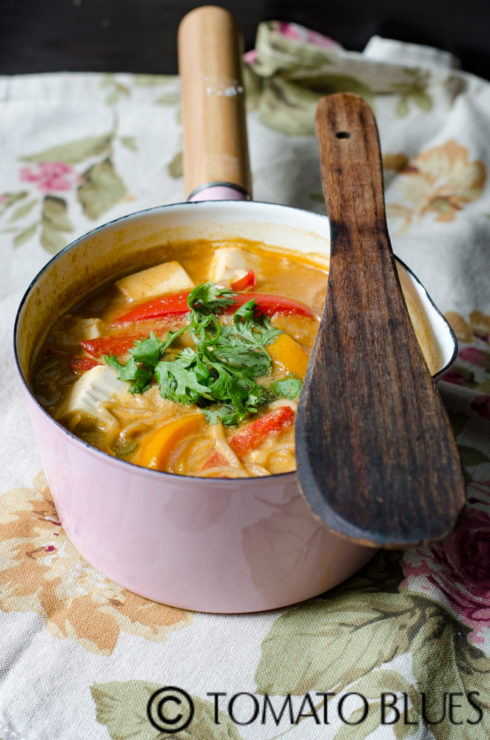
(156, 448)
(288, 356)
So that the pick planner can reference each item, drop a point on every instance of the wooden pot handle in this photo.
(213, 102)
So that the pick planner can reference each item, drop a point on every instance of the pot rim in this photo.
(147, 211)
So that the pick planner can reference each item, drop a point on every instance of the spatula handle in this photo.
(213, 102)
(351, 163)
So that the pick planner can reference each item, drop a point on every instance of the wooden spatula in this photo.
(377, 460)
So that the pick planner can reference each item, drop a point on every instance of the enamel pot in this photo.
(214, 545)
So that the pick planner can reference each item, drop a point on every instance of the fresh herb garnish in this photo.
(180, 379)
(139, 376)
(208, 299)
(287, 387)
(145, 355)
(220, 374)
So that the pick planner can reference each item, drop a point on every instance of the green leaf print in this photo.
(253, 87)
(360, 725)
(457, 419)
(472, 456)
(422, 99)
(402, 108)
(444, 660)
(52, 240)
(287, 107)
(414, 90)
(317, 197)
(54, 221)
(328, 84)
(382, 573)
(22, 210)
(129, 142)
(169, 98)
(101, 190)
(403, 730)
(25, 235)
(175, 166)
(55, 213)
(484, 386)
(327, 644)
(467, 376)
(344, 642)
(355, 731)
(116, 89)
(73, 151)
(372, 686)
(9, 199)
(122, 707)
(145, 80)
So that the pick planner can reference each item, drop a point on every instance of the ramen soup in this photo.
(193, 366)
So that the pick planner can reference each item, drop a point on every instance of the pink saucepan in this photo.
(214, 545)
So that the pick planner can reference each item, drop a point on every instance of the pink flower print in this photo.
(292, 31)
(459, 569)
(300, 33)
(250, 56)
(458, 376)
(481, 404)
(51, 176)
(2, 198)
(474, 356)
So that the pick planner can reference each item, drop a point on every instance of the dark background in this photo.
(140, 35)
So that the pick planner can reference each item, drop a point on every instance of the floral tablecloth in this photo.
(402, 648)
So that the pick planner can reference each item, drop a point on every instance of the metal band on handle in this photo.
(218, 191)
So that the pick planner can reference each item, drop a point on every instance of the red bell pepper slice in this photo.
(254, 433)
(214, 460)
(270, 304)
(108, 345)
(247, 281)
(80, 365)
(176, 305)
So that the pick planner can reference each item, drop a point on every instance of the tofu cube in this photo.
(168, 277)
(71, 330)
(228, 265)
(93, 387)
(89, 328)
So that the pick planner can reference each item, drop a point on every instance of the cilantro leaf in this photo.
(144, 356)
(139, 375)
(287, 387)
(151, 349)
(178, 381)
(226, 414)
(208, 298)
(233, 349)
(254, 326)
(147, 350)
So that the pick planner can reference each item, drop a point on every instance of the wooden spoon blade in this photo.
(377, 460)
